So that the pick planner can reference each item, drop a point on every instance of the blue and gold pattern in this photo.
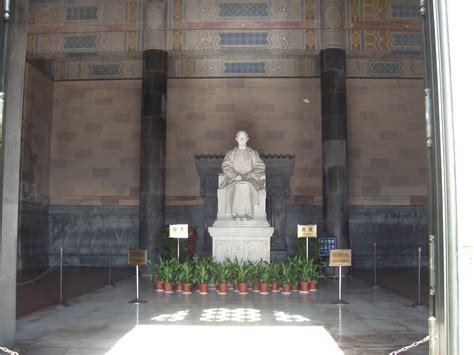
(245, 10)
(243, 39)
(81, 13)
(385, 69)
(105, 70)
(405, 11)
(408, 40)
(244, 67)
(80, 42)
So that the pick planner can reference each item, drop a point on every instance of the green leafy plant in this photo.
(286, 274)
(202, 271)
(221, 272)
(168, 270)
(307, 270)
(243, 271)
(186, 272)
(274, 270)
(155, 271)
(265, 273)
(295, 264)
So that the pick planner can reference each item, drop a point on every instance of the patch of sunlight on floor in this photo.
(173, 317)
(220, 339)
(289, 318)
(239, 315)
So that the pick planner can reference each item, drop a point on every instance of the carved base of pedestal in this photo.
(244, 241)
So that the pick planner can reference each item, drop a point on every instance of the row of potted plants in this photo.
(294, 274)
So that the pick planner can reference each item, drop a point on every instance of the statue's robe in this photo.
(242, 195)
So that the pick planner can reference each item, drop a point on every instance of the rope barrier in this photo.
(40, 276)
(411, 346)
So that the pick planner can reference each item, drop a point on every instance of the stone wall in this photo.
(204, 115)
(387, 151)
(95, 147)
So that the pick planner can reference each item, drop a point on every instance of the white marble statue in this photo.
(244, 173)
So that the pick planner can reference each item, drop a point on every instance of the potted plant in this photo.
(274, 271)
(242, 276)
(254, 275)
(168, 274)
(307, 268)
(264, 279)
(286, 278)
(186, 277)
(295, 271)
(316, 275)
(233, 266)
(156, 276)
(202, 275)
(222, 275)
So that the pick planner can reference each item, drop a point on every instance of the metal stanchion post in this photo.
(340, 300)
(374, 285)
(61, 303)
(110, 284)
(307, 249)
(137, 300)
(418, 302)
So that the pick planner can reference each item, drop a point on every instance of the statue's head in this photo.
(241, 138)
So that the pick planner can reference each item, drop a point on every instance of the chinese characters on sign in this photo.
(179, 231)
(137, 257)
(326, 244)
(307, 231)
(340, 257)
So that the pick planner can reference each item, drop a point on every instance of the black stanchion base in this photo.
(339, 302)
(375, 286)
(110, 285)
(62, 305)
(137, 301)
(418, 305)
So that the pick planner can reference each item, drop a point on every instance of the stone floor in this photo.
(77, 281)
(375, 321)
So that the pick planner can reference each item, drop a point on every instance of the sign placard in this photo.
(340, 257)
(326, 244)
(137, 256)
(307, 230)
(179, 231)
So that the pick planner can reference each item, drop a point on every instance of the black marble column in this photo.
(153, 149)
(334, 139)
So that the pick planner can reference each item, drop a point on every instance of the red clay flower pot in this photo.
(243, 288)
(275, 287)
(187, 289)
(203, 288)
(313, 285)
(286, 289)
(256, 287)
(179, 287)
(168, 286)
(159, 286)
(304, 287)
(222, 288)
(264, 288)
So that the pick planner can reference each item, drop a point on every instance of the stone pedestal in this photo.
(244, 240)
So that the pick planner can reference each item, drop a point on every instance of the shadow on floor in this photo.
(76, 281)
(403, 281)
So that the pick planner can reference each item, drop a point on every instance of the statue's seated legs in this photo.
(240, 199)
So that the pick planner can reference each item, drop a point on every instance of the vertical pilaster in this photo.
(10, 163)
(153, 149)
(334, 122)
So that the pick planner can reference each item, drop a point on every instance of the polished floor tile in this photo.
(375, 321)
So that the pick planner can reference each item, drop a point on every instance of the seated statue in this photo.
(244, 176)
